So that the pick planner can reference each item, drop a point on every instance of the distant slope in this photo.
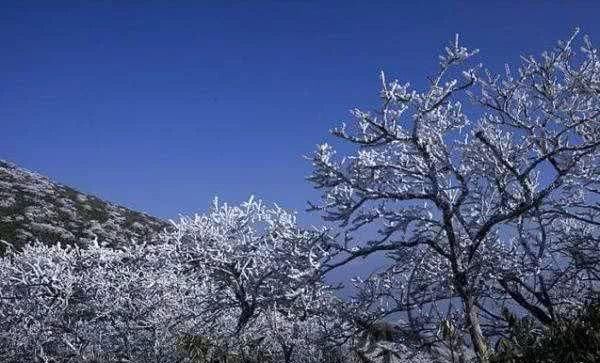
(33, 207)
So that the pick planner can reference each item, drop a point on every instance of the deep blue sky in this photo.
(161, 107)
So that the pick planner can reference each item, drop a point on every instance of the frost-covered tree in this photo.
(252, 259)
(494, 204)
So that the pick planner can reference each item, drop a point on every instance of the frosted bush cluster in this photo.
(230, 277)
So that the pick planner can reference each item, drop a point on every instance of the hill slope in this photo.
(34, 207)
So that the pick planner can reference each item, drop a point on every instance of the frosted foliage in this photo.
(252, 256)
(96, 304)
(483, 190)
(237, 277)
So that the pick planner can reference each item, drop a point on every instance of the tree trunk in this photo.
(479, 344)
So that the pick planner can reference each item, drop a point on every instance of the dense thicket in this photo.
(238, 283)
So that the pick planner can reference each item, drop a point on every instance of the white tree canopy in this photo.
(491, 205)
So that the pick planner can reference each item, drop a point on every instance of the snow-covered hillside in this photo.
(34, 207)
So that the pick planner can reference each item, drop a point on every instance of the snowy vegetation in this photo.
(488, 216)
(239, 283)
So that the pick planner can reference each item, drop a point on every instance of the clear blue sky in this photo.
(161, 107)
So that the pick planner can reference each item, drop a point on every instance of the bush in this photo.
(570, 340)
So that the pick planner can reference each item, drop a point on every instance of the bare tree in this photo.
(475, 208)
